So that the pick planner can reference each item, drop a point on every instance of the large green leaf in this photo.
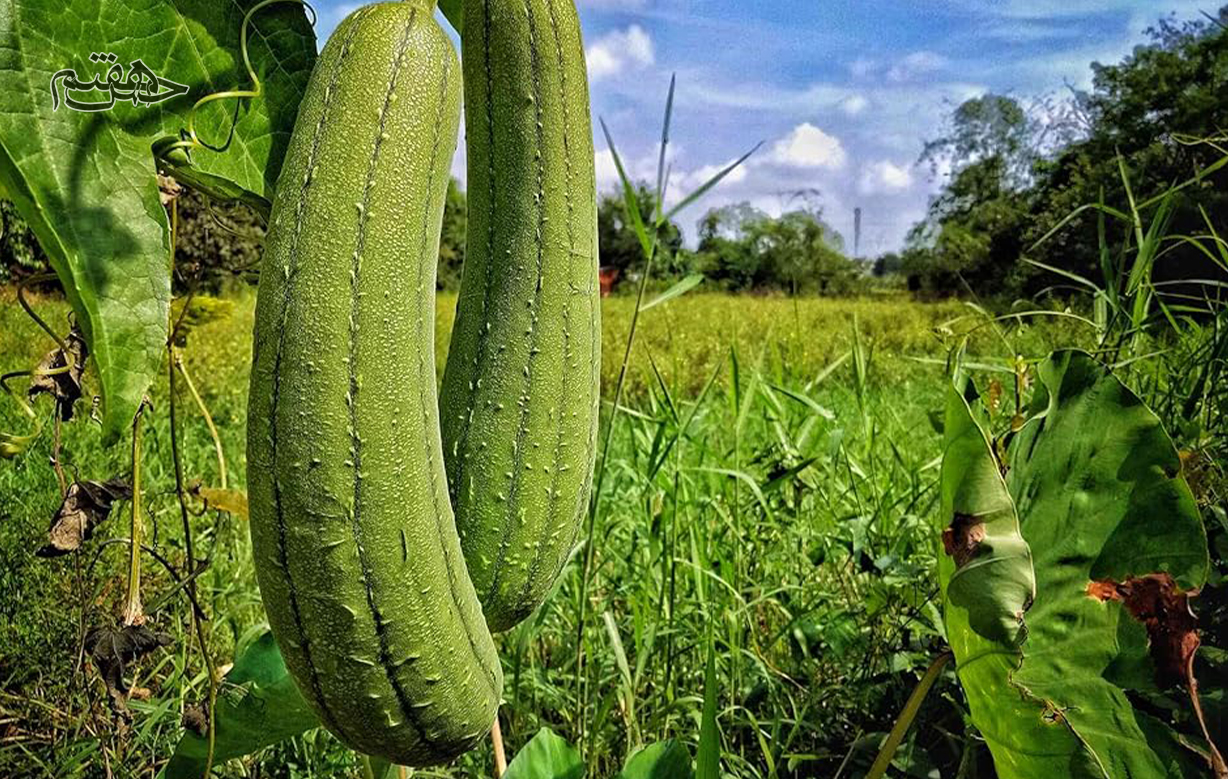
(258, 705)
(987, 573)
(662, 760)
(1095, 483)
(546, 756)
(85, 180)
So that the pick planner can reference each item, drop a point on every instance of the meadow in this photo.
(771, 488)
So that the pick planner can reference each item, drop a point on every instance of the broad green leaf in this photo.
(987, 566)
(546, 756)
(85, 180)
(258, 705)
(1095, 483)
(662, 760)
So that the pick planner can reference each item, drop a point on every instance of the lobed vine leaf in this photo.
(85, 180)
(1095, 484)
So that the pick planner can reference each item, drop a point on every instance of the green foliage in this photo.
(85, 180)
(257, 706)
(1014, 178)
(662, 760)
(217, 244)
(452, 238)
(20, 253)
(1088, 473)
(620, 246)
(744, 249)
(839, 557)
(546, 756)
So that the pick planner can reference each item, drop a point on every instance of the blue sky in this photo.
(843, 93)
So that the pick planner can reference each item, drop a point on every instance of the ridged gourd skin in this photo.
(356, 548)
(520, 388)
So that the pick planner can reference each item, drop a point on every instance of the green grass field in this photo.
(771, 485)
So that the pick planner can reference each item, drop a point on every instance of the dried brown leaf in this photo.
(64, 386)
(112, 650)
(86, 505)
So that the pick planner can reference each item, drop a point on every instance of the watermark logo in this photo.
(138, 83)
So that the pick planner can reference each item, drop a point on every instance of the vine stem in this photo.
(133, 614)
(55, 452)
(496, 740)
(177, 358)
(190, 569)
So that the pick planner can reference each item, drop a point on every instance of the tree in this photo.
(452, 238)
(620, 246)
(1014, 177)
(982, 128)
(743, 248)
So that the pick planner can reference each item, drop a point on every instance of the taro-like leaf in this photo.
(1095, 484)
(51, 378)
(85, 506)
(986, 568)
(546, 756)
(113, 650)
(85, 179)
(662, 760)
(258, 704)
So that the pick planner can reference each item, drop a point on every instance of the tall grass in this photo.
(769, 484)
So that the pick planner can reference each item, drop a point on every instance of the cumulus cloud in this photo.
(619, 51)
(809, 147)
(884, 176)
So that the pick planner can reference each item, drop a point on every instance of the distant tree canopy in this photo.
(452, 238)
(742, 248)
(620, 246)
(1016, 173)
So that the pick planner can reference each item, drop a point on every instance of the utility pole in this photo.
(857, 233)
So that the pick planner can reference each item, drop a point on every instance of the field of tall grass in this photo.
(770, 487)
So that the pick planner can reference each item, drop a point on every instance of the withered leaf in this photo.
(230, 501)
(1172, 629)
(961, 539)
(64, 386)
(195, 719)
(86, 505)
(113, 649)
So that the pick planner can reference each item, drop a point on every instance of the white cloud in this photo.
(809, 147)
(853, 105)
(919, 63)
(884, 176)
(685, 183)
(618, 51)
(607, 171)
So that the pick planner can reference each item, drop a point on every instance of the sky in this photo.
(842, 94)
